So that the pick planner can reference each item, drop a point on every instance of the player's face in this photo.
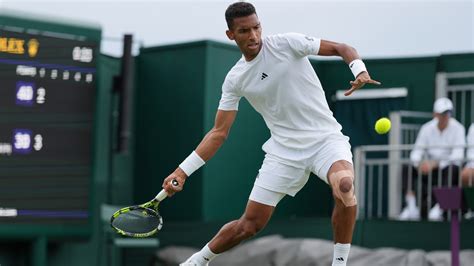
(247, 33)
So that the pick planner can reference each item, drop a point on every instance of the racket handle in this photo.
(163, 194)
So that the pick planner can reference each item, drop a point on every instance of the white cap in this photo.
(442, 105)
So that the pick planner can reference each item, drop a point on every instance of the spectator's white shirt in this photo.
(282, 86)
(470, 150)
(430, 135)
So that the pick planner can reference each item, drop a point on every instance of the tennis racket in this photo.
(140, 220)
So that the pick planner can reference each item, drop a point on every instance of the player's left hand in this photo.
(362, 79)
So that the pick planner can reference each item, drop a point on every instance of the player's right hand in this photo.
(362, 79)
(179, 176)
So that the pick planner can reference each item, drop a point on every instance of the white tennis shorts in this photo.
(279, 177)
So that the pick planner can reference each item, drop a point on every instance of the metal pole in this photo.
(370, 201)
(441, 84)
(380, 190)
(125, 92)
(394, 180)
(454, 238)
(357, 181)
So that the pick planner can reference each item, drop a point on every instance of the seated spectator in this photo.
(435, 165)
(467, 174)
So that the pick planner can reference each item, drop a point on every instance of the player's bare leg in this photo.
(343, 221)
(344, 213)
(254, 219)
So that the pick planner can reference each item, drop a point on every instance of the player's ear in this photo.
(230, 35)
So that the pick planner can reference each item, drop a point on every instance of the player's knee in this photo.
(343, 188)
(346, 194)
(345, 185)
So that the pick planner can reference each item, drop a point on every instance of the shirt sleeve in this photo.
(457, 153)
(417, 153)
(230, 97)
(303, 45)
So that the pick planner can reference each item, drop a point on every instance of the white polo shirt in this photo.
(282, 86)
(430, 135)
(470, 150)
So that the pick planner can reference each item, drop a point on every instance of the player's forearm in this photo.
(211, 144)
(205, 151)
(348, 53)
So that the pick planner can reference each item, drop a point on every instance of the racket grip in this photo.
(163, 194)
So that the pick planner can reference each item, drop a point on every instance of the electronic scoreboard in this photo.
(47, 106)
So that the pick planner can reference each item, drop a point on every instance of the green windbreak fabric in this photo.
(358, 118)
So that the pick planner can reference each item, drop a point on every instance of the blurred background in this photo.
(100, 100)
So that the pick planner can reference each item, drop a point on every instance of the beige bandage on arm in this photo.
(348, 198)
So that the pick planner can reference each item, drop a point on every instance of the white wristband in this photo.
(357, 66)
(191, 163)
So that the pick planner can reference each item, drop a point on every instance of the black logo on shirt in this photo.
(340, 259)
(264, 76)
(309, 38)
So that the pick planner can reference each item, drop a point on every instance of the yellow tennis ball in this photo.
(382, 126)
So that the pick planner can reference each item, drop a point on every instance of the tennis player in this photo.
(276, 77)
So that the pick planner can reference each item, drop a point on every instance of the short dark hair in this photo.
(237, 10)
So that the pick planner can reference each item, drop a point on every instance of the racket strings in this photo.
(138, 221)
